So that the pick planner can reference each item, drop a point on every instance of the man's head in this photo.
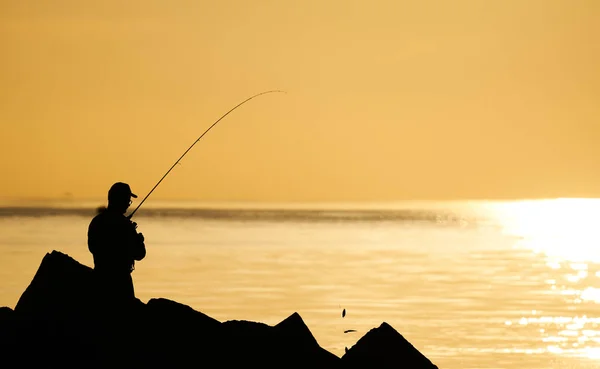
(119, 196)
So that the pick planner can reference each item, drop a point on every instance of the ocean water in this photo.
(470, 284)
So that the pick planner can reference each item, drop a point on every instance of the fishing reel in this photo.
(139, 234)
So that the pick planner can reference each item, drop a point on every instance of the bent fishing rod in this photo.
(195, 142)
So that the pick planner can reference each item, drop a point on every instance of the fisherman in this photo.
(115, 244)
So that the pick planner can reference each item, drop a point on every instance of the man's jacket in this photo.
(114, 243)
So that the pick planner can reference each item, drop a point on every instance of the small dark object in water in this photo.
(343, 313)
(350, 330)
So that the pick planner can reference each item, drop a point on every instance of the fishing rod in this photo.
(198, 139)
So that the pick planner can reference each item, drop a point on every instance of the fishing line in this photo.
(198, 139)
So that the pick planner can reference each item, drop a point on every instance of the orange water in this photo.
(518, 286)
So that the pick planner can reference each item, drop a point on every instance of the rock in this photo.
(252, 342)
(296, 336)
(287, 344)
(175, 334)
(60, 322)
(60, 288)
(180, 313)
(6, 314)
(384, 347)
(6, 327)
(293, 328)
(50, 315)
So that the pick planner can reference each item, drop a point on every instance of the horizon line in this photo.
(247, 204)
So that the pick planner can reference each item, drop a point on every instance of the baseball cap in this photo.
(120, 189)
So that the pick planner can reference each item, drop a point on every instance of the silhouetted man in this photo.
(115, 244)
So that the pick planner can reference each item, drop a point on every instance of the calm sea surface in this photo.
(470, 284)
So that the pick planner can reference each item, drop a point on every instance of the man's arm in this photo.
(93, 236)
(137, 248)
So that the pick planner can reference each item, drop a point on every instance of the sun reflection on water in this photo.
(566, 234)
(565, 230)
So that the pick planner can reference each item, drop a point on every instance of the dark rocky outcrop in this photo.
(60, 322)
(6, 327)
(60, 288)
(384, 347)
(6, 314)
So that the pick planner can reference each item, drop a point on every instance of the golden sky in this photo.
(386, 100)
